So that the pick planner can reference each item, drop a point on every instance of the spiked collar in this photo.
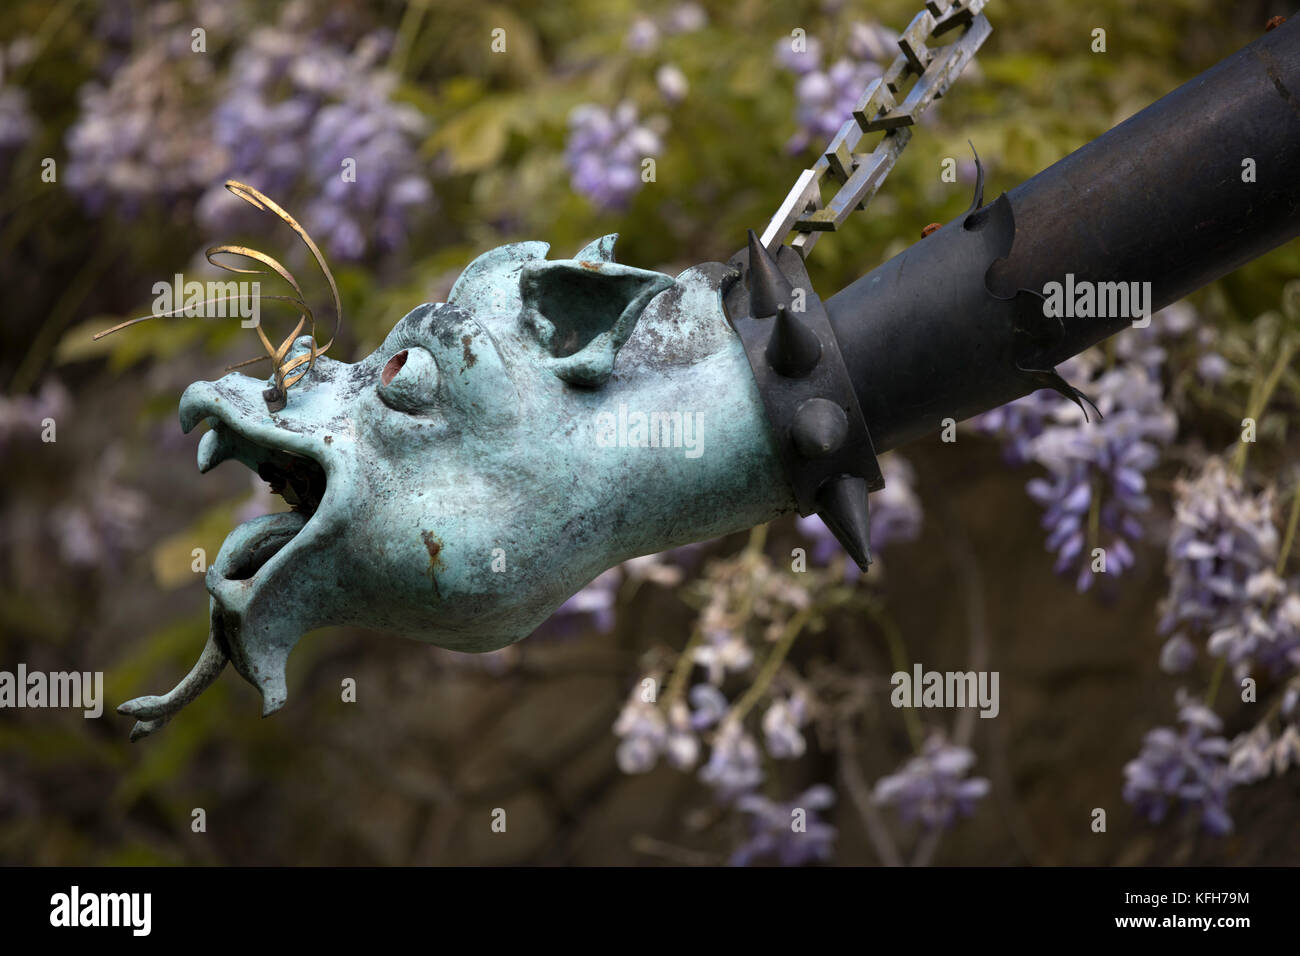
(807, 391)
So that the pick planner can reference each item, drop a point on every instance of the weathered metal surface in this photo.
(468, 489)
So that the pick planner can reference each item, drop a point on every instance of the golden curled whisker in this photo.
(306, 318)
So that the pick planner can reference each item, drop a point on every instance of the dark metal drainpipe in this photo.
(944, 330)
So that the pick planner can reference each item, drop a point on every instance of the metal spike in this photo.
(978, 200)
(794, 349)
(842, 506)
(767, 284)
(819, 428)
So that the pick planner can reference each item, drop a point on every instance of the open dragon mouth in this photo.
(299, 479)
(233, 578)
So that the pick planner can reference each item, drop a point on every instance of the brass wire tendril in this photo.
(276, 395)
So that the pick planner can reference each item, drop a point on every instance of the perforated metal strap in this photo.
(880, 108)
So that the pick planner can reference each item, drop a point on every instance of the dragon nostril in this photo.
(393, 367)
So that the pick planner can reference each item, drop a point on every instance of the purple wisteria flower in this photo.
(642, 36)
(304, 114)
(1106, 460)
(17, 125)
(648, 733)
(708, 706)
(721, 652)
(826, 97)
(381, 139)
(139, 140)
(1017, 424)
(686, 18)
(1223, 586)
(645, 33)
(1187, 769)
(871, 41)
(1268, 632)
(16, 122)
(789, 832)
(782, 726)
(1146, 345)
(672, 83)
(595, 605)
(592, 605)
(1257, 754)
(734, 767)
(895, 514)
(1177, 655)
(22, 417)
(605, 152)
(99, 528)
(1212, 367)
(933, 787)
(802, 58)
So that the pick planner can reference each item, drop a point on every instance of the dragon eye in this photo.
(409, 380)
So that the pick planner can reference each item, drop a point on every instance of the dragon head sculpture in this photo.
(486, 461)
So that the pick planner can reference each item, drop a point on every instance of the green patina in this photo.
(473, 448)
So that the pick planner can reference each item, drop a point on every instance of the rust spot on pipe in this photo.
(933, 227)
(1274, 23)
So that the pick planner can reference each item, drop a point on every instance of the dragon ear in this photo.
(599, 250)
(581, 311)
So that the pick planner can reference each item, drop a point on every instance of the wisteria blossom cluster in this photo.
(736, 590)
(1094, 493)
(702, 726)
(1018, 424)
(790, 832)
(308, 112)
(750, 608)
(827, 95)
(606, 149)
(141, 139)
(933, 788)
(1228, 592)
(1223, 581)
(363, 171)
(647, 733)
(646, 33)
(1183, 769)
(1258, 753)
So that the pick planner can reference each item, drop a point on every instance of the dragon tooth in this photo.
(213, 449)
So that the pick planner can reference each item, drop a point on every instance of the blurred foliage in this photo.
(73, 790)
